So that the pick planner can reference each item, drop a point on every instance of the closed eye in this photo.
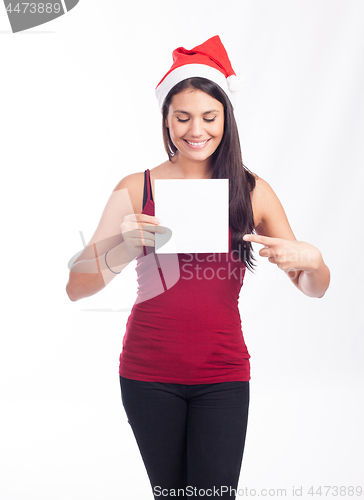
(206, 120)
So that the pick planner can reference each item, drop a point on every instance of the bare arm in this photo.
(89, 276)
(303, 263)
(89, 273)
(314, 283)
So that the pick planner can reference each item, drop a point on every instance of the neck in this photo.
(189, 169)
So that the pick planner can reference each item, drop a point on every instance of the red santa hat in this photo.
(208, 60)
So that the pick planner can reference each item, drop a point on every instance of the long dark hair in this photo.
(226, 163)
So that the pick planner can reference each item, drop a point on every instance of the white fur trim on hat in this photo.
(188, 71)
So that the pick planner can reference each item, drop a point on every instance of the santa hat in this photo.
(208, 60)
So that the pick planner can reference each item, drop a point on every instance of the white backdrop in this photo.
(78, 113)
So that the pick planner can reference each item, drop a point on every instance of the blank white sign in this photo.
(196, 211)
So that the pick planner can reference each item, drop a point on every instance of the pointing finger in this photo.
(263, 240)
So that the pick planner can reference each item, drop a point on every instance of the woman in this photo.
(184, 368)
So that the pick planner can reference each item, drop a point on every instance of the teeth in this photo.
(197, 143)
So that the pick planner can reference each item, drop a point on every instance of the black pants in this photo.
(189, 435)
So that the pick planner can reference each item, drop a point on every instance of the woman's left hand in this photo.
(289, 255)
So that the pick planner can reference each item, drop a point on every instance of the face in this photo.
(196, 123)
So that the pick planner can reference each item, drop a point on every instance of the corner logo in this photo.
(25, 15)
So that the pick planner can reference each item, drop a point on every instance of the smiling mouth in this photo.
(197, 144)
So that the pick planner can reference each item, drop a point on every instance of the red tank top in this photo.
(185, 324)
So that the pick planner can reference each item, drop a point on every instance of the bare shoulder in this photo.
(135, 180)
(261, 190)
(268, 212)
(134, 183)
(130, 181)
(258, 198)
(263, 197)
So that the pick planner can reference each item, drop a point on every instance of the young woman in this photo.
(184, 368)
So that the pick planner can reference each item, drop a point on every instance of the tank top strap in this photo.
(149, 184)
(147, 195)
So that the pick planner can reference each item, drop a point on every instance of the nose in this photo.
(196, 128)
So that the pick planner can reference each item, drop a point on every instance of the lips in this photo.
(196, 145)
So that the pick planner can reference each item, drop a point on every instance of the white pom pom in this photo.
(236, 82)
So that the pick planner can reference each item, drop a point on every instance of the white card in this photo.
(196, 211)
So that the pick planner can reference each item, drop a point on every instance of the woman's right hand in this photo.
(138, 231)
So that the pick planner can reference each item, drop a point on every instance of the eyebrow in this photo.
(205, 113)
